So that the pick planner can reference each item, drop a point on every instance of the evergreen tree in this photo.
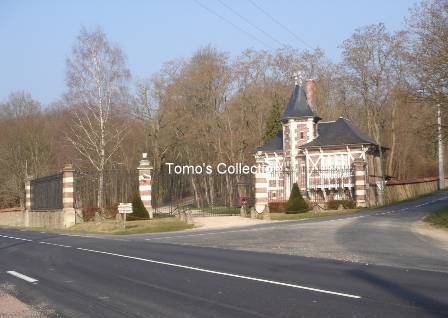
(296, 203)
(139, 211)
(273, 126)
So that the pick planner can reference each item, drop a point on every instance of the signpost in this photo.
(124, 208)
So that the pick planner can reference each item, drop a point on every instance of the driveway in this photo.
(384, 236)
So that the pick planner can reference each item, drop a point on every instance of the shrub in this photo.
(139, 211)
(277, 207)
(88, 214)
(111, 211)
(296, 203)
(346, 204)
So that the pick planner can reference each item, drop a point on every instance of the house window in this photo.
(335, 161)
(302, 135)
(272, 183)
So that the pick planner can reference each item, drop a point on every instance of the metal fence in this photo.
(119, 186)
(321, 185)
(46, 193)
(202, 195)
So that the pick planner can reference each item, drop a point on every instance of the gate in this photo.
(203, 195)
(46, 193)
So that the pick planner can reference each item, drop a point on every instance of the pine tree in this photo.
(296, 203)
(273, 126)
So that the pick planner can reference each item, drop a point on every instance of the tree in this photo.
(97, 79)
(428, 25)
(139, 211)
(296, 203)
(273, 125)
(26, 147)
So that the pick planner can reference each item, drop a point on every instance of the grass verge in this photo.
(310, 214)
(116, 228)
(439, 218)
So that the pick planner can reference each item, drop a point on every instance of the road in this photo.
(370, 264)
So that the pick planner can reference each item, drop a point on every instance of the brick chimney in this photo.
(310, 91)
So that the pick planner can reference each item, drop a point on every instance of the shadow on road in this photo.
(413, 298)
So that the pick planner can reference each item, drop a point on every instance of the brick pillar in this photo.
(144, 183)
(261, 186)
(359, 166)
(68, 195)
(28, 194)
(26, 216)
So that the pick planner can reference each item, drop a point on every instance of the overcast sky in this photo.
(37, 36)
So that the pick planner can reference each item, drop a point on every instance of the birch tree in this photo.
(97, 78)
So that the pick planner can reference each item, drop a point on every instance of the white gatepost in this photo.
(261, 184)
(144, 183)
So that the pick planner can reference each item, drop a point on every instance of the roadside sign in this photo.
(125, 208)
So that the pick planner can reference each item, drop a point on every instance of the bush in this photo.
(110, 212)
(277, 207)
(346, 204)
(139, 211)
(88, 214)
(296, 203)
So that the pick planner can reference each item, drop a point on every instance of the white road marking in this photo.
(24, 277)
(267, 281)
(54, 244)
(16, 238)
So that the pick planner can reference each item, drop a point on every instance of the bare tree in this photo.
(26, 146)
(97, 79)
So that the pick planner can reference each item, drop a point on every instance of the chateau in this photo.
(329, 160)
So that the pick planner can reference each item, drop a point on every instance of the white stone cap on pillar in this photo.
(144, 163)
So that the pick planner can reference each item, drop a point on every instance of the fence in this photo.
(318, 185)
(46, 193)
(203, 195)
(119, 186)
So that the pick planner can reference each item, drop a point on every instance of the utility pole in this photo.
(440, 146)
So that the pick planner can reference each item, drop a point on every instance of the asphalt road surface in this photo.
(370, 264)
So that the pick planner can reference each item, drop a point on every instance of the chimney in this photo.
(310, 91)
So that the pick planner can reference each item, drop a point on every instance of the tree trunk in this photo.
(101, 190)
(390, 165)
(196, 197)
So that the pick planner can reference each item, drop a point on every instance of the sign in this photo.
(125, 208)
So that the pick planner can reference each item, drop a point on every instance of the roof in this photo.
(298, 105)
(275, 144)
(339, 132)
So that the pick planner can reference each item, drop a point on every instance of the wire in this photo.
(281, 24)
(251, 24)
(232, 24)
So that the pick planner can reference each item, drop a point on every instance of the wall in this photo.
(48, 219)
(12, 218)
(407, 189)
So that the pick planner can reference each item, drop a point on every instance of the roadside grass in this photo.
(116, 228)
(221, 210)
(439, 218)
(310, 214)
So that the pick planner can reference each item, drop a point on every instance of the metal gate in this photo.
(46, 193)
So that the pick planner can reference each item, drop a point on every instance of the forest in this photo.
(214, 107)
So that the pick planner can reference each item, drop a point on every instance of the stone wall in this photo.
(47, 219)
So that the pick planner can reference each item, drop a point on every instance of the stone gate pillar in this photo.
(261, 185)
(68, 195)
(28, 194)
(26, 216)
(144, 183)
(359, 166)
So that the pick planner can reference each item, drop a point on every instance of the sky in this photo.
(37, 36)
